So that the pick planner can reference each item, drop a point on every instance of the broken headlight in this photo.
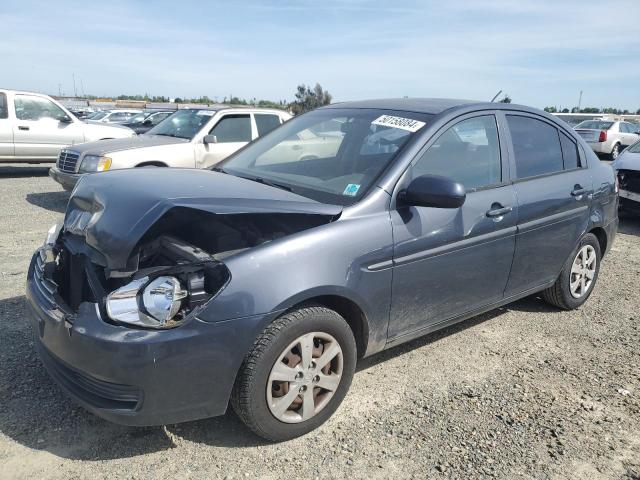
(145, 303)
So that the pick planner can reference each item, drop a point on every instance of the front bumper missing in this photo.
(139, 377)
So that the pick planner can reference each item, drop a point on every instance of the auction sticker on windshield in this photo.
(399, 122)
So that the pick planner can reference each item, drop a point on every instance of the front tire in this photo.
(578, 277)
(296, 375)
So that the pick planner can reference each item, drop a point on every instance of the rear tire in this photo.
(615, 152)
(578, 277)
(275, 409)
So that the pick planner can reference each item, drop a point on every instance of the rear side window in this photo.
(266, 123)
(233, 128)
(623, 128)
(569, 152)
(4, 111)
(536, 146)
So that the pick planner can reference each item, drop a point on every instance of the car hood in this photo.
(627, 161)
(113, 210)
(102, 147)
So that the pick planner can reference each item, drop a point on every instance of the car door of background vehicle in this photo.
(6, 129)
(38, 131)
(448, 262)
(628, 132)
(232, 131)
(554, 196)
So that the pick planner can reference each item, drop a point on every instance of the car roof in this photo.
(419, 105)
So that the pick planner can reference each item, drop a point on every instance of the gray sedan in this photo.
(168, 294)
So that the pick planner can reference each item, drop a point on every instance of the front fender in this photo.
(333, 259)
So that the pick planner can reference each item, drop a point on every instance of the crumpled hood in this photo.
(627, 161)
(103, 147)
(113, 210)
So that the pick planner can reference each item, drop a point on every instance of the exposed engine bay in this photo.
(176, 267)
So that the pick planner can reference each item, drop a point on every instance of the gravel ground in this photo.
(525, 391)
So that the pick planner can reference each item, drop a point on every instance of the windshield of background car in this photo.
(183, 124)
(330, 155)
(595, 125)
(139, 117)
(97, 116)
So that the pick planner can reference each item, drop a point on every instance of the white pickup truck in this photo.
(190, 138)
(34, 127)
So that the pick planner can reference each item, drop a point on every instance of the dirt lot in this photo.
(521, 392)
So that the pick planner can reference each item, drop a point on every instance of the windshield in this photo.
(595, 125)
(635, 148)
(139, 117)
(330, 155)
(97, 116)
(183, 124)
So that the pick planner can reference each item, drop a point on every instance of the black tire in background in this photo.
(249, 399)
(559, 294)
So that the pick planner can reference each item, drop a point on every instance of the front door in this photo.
(554, 190)
(42, 128)
(232, 132)
(448, 262)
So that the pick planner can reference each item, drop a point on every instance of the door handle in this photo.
(22, 127)
(498, 210)
(578, 191)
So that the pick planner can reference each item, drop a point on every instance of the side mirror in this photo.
(433, 191)
(65, 119)
(147, 122)
(209, 139)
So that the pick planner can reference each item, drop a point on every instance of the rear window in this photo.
(595, 125)
(536, 146)
(4, 111)
(266, 123)
(569, 152)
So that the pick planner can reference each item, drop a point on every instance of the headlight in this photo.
(53, 233)
(147, 304)
(95, 163)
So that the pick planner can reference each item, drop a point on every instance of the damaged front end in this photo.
(176, 267)
(172, 281)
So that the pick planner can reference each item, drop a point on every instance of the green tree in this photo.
(506, 99)
(550, 109)
(309, 99)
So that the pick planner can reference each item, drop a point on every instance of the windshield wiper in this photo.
(270, 183)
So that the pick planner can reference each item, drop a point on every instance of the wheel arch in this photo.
(345, 305)
(152, 163)
(601, 235)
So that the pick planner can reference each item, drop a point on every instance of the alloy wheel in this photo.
(305, 377)
(583, 271)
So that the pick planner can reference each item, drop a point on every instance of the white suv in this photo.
(34, 127)
(190, 138)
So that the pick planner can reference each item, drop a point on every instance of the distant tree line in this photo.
(306, 98)
(614, 111)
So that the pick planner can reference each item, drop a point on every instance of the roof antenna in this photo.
(494, 98)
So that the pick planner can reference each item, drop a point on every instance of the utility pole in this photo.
(579, 101)
(59, 89)
(75, 93)
(82, 88)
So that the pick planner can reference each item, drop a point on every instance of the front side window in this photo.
(266, 122)
(4, 110)
(331, 155)
(37, 108)
(536, 146)
(233, 128)
(468, 153)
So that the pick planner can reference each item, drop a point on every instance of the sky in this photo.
(540, 52)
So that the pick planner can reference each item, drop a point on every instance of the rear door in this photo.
(6, 129)
(448, 262)
(554, 191)
(42, 128)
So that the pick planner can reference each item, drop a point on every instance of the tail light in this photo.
(603, 136)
